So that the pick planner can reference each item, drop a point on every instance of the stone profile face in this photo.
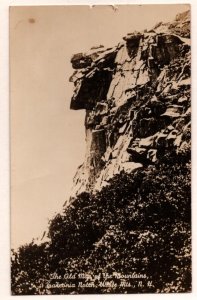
(137, 101)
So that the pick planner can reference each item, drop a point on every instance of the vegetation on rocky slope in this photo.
(139, 226)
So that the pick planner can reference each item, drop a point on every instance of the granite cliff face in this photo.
(137, 101)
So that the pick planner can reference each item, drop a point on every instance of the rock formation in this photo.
(137, 101)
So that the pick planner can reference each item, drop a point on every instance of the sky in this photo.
(47, 138)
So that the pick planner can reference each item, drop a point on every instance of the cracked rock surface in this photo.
(137, 101)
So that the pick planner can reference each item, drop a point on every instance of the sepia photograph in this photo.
(100, 130)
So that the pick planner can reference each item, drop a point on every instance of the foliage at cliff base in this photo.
(140, 223)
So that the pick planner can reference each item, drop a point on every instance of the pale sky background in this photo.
(47, 138)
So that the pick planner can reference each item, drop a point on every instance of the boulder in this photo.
(173, 111)
(80, 61)
(152, 155)
(129, 167)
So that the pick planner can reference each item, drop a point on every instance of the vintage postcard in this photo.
(100, 149)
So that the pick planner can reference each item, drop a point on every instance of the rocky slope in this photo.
(137, 101)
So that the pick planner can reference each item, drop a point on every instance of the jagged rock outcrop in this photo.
(137, 101)
(180, 26)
